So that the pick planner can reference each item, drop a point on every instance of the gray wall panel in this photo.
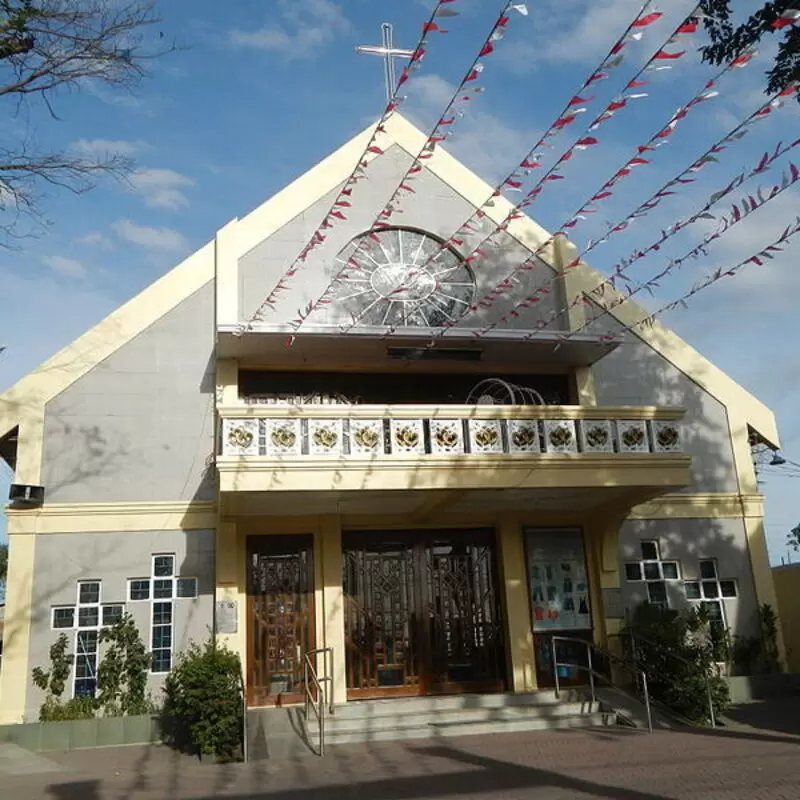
(63, 559)
(139, 426)
(690, 541)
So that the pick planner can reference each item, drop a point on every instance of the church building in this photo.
(428, 486)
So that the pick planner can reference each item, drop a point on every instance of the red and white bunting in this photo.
(789, 17)
(338, 211)
(488, 300)
(759, 258)
(443, 129)
(618, 272)
(740, 211)
(514, 181)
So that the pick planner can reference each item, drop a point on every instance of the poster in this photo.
(559, 587)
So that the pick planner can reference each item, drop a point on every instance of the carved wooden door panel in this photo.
(422, 614)
(280, 599)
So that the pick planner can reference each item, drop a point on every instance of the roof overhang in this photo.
(280, 347)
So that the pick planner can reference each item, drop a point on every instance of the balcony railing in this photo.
(370, 432)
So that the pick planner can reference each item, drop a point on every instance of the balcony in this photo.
(340, 449)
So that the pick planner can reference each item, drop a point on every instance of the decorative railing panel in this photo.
(449, 431)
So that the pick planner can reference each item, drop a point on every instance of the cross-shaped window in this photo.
(654, 571)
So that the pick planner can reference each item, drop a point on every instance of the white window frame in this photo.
(153, 601)
(147, 599)
(53, 610)
(659, 561)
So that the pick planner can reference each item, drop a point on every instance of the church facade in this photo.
(427, 506)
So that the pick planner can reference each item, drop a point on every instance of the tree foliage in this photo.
(47, 49)
(793, 538)
(729, 40)
(122, 674)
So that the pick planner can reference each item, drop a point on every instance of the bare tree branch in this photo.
(49, 47)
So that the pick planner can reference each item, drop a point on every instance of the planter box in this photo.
(83, 733)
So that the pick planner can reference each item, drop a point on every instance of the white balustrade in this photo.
(397, 435)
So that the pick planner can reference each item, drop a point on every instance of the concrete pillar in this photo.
(231, 584)
(331, 623)
(514, 580)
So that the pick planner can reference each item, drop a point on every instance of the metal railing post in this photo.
(591, 671)
(555, 665)
(647, 701)
(711, 714)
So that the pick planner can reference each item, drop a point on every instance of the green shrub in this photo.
(122, 675)
(54, 682)
(77, 708)
(677, 652)
(202, 710)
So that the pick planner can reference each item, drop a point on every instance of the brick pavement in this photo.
(733, 765)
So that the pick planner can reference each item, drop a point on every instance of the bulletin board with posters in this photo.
(558, 581)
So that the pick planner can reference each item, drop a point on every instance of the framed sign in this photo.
(559, 586)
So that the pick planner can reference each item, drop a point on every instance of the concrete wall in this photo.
(140, 425)
(634, 374)
(435, 208)
(787, 588)
(63, 559)
(690, 541)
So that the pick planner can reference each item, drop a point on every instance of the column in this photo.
(231, 588)
(514, 579)
(332, 605)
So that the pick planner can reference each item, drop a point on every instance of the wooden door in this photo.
(280, 611)
(422, 614)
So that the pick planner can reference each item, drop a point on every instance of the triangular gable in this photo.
(75, 360)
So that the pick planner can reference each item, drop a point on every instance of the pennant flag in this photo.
(787, 18)
(648, 19)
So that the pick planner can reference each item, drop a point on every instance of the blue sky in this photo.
(263, 91)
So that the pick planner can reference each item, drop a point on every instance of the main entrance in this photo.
(280, 613)
(422, 613)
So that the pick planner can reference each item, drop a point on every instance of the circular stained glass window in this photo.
(404, 278)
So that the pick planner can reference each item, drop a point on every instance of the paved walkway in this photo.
(741, 763)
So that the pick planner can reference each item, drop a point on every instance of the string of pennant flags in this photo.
(759, 258)
(747, 205)
(688, 26)
(533, 158)
(740, 211)
(711, 156)
(343, 200)
(466, 90)
(673, 187)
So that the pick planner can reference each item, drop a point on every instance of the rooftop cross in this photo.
(389, 53)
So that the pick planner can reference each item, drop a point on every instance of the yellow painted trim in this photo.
(68, 365)
(227, 272)
(451, 472)
(227, 382)
(244, 411)
(30, 445)
(516, 605)
(17, 628)
(113, 517)
(700, 506)
(228, 587)
(331, 612)
(787, 590)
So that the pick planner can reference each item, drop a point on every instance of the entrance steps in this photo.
(282, 732)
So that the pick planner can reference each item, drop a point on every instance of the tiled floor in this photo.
(742, 762)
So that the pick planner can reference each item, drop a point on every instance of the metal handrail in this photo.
(590, 647)
(244, 716)
(633, 635)
(318, 703)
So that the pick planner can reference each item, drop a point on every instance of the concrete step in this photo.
(416, 705)
(388, 718)
(435, 730)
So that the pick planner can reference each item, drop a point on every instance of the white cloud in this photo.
(161, 188)
(106, 147)
(68, 267)
(306, 28)
(95, 239)
(150, 238)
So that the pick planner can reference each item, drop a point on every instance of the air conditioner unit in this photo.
(23, 495)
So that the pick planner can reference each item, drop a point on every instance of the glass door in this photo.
(559, 594)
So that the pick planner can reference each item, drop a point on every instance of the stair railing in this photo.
(639, 674)
(316, 697)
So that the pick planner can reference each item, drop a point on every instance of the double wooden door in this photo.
(280, 600)
(422, 613)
